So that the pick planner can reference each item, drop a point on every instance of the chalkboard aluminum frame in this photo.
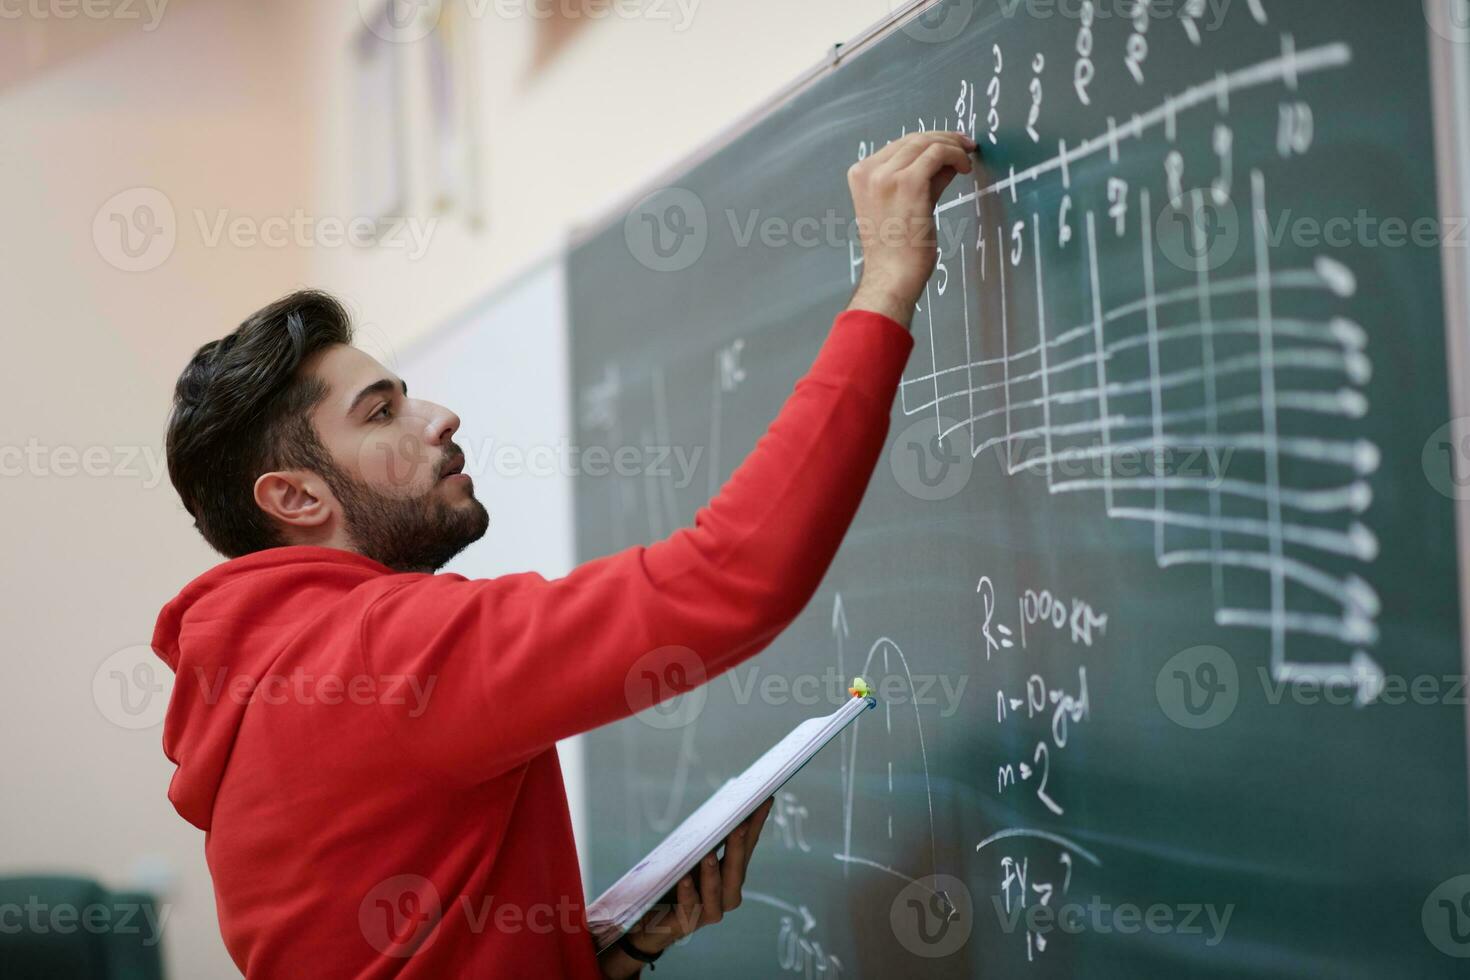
(1450, 76)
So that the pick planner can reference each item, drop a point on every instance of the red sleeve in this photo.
(519, 662)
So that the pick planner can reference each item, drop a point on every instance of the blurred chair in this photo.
(73, 928)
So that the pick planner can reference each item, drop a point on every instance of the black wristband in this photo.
(626, 945)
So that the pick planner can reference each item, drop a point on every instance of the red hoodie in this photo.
(372, 754)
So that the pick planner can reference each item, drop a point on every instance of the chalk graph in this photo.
(1067, 340)
(1091, 390)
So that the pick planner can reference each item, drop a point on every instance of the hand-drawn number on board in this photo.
(1138, 41)
(1085, 72)
(1037, 64)
(993, 90)
(1294, 134)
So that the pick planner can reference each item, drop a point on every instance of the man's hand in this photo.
(688, 906)
(894, 193)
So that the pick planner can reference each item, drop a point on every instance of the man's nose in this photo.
(441, 426)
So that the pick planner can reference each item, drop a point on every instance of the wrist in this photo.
(617, 965)
(893, 303)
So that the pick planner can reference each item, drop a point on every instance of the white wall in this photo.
(624, 101)
(239, 107)
(503, 367)
(90, 353)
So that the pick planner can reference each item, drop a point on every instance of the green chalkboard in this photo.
(1158, 575)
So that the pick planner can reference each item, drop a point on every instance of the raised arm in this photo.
(519, 661)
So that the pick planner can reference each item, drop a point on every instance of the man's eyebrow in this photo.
(379, 387)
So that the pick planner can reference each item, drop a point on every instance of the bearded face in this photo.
(396, 489)
(406, 525)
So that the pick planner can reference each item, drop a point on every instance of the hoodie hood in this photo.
(221, 635)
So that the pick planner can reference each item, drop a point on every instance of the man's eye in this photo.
(382, 414)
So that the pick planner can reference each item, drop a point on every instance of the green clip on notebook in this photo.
(620, 907)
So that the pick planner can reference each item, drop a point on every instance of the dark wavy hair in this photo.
(242, 408)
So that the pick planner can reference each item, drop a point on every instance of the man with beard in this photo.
(370, 746)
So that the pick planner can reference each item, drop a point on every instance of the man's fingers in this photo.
(937, 156)
(732, 866)
(688, 907)
(660, 923)
(757, 821)
(901, 152)
(710, 908)
(939, 182)
(916, 151)
(740, 846)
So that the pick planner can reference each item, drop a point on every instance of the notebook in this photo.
(620, 907)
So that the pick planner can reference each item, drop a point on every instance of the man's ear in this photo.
(296, 498)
